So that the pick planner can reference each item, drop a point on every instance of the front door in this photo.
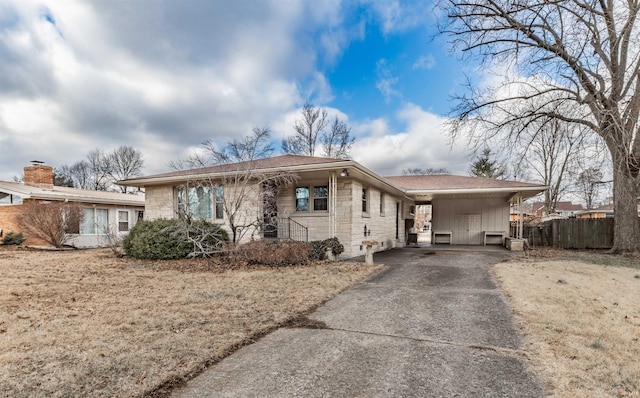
(270, 211)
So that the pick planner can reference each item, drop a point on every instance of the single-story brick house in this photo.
(102, 211)
(342, 198)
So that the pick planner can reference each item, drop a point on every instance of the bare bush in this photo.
(52, 222)
(273, 254)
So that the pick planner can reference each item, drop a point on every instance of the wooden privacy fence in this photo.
(572, 233)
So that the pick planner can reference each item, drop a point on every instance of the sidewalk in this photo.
(431, 324)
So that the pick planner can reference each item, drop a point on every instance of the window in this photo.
(219, 202)
(195, 202)
(123, 220)
(302, 199)
(365, 200)
(382, 203)
(320, 198)
(94, 221)
(8, 199)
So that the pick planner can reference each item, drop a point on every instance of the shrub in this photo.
(52, 222)
(320, 247)
(273, 254)
(171, 239)
(13, 238)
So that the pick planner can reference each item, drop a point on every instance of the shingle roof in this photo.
(282, 161)
(438, 182)
(560, 206)
(71, 194)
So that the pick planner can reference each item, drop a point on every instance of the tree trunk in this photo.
(626, 232)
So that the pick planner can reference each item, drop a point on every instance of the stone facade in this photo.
(349, 218)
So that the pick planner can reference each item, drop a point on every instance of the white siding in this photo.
(473, 214)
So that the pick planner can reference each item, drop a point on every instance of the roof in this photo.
(425, 185)
(560, 206)
(70, 194)
(283, 162)
(428, 186)
(438, 182)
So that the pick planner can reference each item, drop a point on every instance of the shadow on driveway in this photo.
(431, 324)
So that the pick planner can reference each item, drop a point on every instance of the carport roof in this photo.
(428, 186)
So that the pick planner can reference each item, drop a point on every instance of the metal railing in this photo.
(291, 229)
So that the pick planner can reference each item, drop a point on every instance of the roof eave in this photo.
(141, 182)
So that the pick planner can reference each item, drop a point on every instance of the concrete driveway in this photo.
(431, 324)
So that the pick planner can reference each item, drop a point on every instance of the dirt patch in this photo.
(580, 321)
(85, 323)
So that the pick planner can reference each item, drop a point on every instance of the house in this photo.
(604, 211)
(563, 209)
(102, 211)
(341, 198)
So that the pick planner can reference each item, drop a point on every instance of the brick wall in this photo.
(9, 223)
(38, 175)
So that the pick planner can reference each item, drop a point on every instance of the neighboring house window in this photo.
(219, 202)
(196, 202)
(302, 199)
(320, 197)
(382, 203)
(94, 221)
(365, 200)
(123, 220)
(319, 200)
(8, 199)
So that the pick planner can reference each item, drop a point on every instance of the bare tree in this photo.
(484, 167)
(241, 190)
(550, 150)
(52, 222)
(124, 162)
(587, 185)
(338, 141)
(312, 127)
(79, 172)
(101, 170)
(574, 60)
(416, 171)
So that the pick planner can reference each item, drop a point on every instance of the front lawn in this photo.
(85, 323)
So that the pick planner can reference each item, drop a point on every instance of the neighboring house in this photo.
(604, 211)
(526, 210)
(342, 198)
(102, 211)
(563, 209)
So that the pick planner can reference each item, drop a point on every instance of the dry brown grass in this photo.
(85, 323)
(581, 321)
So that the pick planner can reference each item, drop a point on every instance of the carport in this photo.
(468, 210)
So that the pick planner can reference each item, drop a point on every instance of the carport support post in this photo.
(519, 215)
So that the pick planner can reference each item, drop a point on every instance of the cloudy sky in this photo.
(164, 76)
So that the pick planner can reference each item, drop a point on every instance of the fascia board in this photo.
(201, 176)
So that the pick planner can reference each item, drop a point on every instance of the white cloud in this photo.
(125, 73)
(424, 62)
(164, 78)
(422, 143)
(386, 81)
(400, 15)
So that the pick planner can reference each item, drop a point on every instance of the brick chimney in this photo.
(39, 175)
